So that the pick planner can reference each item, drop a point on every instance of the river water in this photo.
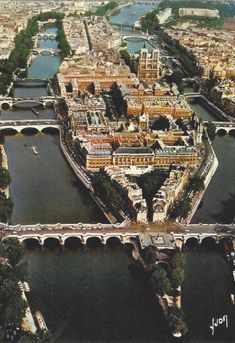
(98, 294)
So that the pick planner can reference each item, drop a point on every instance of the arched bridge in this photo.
(21, 125)
(142, 37)
(47, 35)
(62, 232)
(9, 102)
(50, 51)
(224, 127)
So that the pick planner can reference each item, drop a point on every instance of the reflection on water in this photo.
(94, 295)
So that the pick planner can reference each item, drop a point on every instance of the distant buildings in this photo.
(198, 12)
(213, 49)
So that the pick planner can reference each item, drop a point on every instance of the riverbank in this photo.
(6, 190)
(206, 174)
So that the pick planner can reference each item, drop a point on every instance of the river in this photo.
(98, 294)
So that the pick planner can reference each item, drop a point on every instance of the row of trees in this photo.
(150, 21)
(150, 184)
(165, 280)
(108, 190)
(11, 271)
(13, 306)
(24, 43)
(19, 55)
(6, 204)
(103, 9)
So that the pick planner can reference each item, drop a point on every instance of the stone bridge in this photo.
(9, 102)
(21, 125)
(142, 37)
(193, 95)
(124, 232)
(46, 35)
(224, 127)
(49, 51)
(62, 232)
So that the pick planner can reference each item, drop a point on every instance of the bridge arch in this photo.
(209, 242)
(191, 242)
(8, 131)
(52, 242)
(221, 132)
(31, 243)
(113, 241)
(94, 242)
(5, 105)
(73, 242)
(29, 131)
(50, 129)
(232, 132)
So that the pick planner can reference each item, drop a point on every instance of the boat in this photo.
(26, 286)
(34, 148)
(41, 322)
(35, 112)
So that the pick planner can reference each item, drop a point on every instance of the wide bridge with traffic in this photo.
(125, 232)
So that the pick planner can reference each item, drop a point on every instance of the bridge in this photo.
(61, 232)
(20, 126)
(223, 126)
(8, 102)
(46, 35)
(193, 95)
(44, 51)
(125, 232)
(135, 37)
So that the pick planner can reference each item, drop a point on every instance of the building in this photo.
(149, 65)
(198, 12)
(170, 191)
(134, 192)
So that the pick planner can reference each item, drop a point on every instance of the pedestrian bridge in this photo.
(45, 51)
(22, 126)
(9, 102)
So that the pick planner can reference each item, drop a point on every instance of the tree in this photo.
(176, 320)
(13, 250)
(160, 281)
(5, 178)
(211, 130)
(196, 184)
(162, 123)
(150, 255)
(177, 277)
(178, 259)
(181, 208)
(6, 207)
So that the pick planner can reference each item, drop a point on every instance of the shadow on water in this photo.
(227, 213)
